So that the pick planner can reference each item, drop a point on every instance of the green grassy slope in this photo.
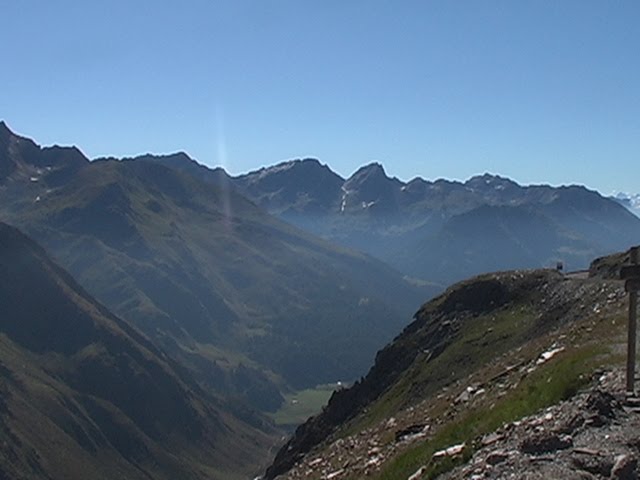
(483, 335)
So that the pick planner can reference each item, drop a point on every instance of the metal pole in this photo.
(631, 337)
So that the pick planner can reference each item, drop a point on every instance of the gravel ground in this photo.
(594, 435)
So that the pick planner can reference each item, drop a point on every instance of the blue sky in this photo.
(540, 91)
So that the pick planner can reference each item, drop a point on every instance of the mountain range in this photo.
(443, 230)
(251, 305)
(229, 293)
(440, 231)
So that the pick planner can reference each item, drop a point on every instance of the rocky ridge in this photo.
(410, 438)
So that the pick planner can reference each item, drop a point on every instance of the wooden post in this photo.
(632, 276)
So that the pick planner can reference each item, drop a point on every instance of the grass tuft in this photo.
(549, 384)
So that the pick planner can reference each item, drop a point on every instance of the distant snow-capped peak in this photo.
(629, 200)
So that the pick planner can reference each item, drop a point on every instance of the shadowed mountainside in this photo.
(85, 395)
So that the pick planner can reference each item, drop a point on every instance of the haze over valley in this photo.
(325, 240)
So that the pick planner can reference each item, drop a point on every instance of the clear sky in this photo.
(540, 91)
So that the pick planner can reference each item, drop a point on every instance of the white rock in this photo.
(335, 474)
(450, 451)
(418, 473)
(549, 354)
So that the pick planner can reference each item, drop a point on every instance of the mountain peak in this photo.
(279, 167)
(305, 165)
(179, 156)
(374, 165)
(175, 158)
(370, 187)
(5, 131)
(491, 182)
(21, 156)
(373, 168)
(300, 185)
(372, 172)
(490, 178)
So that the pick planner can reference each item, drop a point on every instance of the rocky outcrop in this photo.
(592, 435)
(436, 326)
(495, 318)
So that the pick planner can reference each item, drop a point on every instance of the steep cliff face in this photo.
(481, 346)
